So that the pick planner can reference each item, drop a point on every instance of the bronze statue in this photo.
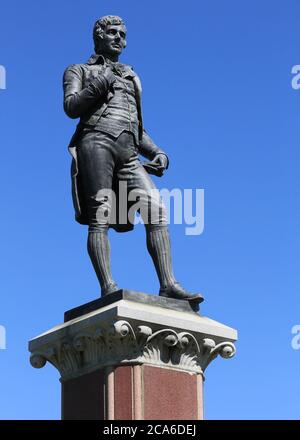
(106, 96)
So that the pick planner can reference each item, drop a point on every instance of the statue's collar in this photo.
(96, 59)
(99, 59)
(125, 71)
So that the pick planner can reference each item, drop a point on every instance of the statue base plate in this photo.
(131, 295)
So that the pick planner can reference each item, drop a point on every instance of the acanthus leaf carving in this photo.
(127, 342)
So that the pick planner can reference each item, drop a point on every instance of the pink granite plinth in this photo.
(133, 392)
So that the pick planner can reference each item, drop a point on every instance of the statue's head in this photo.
(109, 35)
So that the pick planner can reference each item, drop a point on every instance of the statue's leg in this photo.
(154, 216)
(159, 247)
(96, 167)
(155, 219)
(99, 252)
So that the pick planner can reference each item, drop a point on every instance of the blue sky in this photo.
(218, 98)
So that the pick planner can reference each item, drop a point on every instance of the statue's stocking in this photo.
(159, 247)
(99, 252)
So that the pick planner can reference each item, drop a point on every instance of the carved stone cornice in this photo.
(128, 342)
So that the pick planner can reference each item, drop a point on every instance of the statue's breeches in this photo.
(114, 182)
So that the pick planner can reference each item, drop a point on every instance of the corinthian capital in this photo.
(128, 332)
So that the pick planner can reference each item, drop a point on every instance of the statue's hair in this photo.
(100, 25)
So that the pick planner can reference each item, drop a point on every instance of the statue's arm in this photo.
(78, 100)
(148, 149)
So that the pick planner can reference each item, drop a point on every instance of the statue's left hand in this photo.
(157, 166)
(161, 160)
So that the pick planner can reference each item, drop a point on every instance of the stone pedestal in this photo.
(133, 356)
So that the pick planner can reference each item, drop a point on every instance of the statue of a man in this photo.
(106, 96)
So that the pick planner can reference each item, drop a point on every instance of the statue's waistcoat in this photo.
(121, 112)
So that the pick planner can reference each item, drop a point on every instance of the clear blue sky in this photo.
(218, 98)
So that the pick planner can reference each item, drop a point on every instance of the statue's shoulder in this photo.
(130, 71)
(128, 68)
(76, 67)
(76, 72)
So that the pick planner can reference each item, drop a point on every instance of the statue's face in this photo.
(114, 39)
